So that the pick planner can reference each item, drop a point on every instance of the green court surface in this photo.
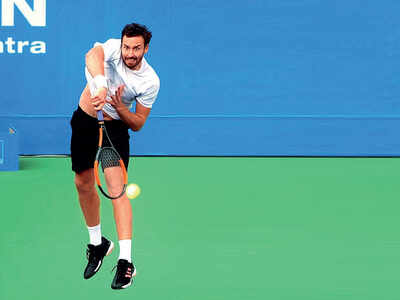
(212, 228)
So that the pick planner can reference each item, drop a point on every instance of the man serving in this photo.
(118, 75)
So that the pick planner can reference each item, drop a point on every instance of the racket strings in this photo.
(108, 158)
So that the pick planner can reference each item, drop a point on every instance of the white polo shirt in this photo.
(141, 85)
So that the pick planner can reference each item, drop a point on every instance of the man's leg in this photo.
(123, 220)
(89, 201)
(122, 206)
(123, 217)
(122, 213)
(88, 197)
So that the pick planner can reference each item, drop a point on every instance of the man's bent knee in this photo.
(84, 181)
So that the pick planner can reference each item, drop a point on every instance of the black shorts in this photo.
(85, 139)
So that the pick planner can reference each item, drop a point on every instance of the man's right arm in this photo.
(95, 66)
(95, 61)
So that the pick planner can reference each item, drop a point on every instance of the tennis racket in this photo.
(109, 168)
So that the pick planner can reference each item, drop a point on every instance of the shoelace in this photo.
(87, 254)
(128, 272)
(90, 253)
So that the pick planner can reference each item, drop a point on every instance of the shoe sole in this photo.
(110, 249)
(127, 285)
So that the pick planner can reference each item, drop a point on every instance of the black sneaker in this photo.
(124, 275)
(95, 255)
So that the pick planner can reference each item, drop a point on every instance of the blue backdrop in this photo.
(255, 77)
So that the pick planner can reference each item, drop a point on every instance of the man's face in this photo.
(133, 50)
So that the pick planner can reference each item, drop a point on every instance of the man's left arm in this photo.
(135, 120)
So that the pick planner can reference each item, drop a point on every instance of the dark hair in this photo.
(135, 29)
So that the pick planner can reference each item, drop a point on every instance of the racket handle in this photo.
(100, 115)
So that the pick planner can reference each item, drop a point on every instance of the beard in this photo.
(132, 62)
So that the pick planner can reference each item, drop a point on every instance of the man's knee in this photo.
(84, 181)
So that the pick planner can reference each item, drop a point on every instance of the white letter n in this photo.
(35, 16)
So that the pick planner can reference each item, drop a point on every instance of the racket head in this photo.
(110, 173)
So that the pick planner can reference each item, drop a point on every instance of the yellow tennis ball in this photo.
(132, 190)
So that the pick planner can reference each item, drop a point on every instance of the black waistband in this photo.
(110, 124)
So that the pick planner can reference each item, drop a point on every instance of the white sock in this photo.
(125, 250)
(95, 235)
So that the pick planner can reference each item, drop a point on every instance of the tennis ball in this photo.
(132, 190)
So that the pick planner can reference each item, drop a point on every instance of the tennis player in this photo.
(118, 76)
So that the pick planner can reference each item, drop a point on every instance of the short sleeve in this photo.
(149, 96)
(112, 49)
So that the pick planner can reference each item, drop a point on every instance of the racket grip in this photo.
(100, 115)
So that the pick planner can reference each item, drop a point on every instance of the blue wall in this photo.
(255, 77)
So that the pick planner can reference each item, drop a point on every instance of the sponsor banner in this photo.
(34, 14)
